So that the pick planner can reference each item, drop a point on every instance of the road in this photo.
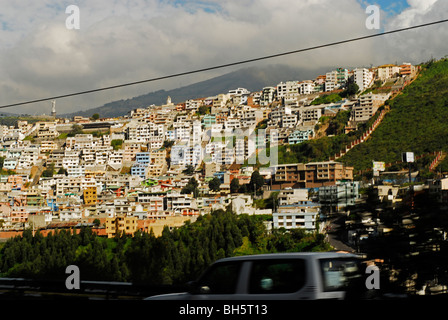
(334, 236)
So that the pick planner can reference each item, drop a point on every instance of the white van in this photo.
(278, 276)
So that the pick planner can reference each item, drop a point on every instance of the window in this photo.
(339, 274)
(220, 279)
(279, 276)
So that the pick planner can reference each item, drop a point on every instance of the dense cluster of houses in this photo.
(126, 174)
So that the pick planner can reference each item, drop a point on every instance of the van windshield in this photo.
(340, 274)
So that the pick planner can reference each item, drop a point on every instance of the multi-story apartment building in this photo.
(363, 77)
(268, 95)
(121, 224)
(71, 158)
(56, 157)
(407, 69)
(157, 163)
(335, 79)
(70, 215)
(367, 107)
(288, 89)
(340, 195)
(306, 87)
(311, 113)
(153, 203)
(193, 104)
(90, 196)
(76, 170)
(298, 136)
(48, 146)
(10, 163)
(130, 151)
(289, 120)
(140, 170)
(327, 173)
(303, 216)
(311, 175)
(46, 130)
(292, 196)
(19, 214)
(387, 71)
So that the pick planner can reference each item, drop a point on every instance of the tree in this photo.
(256, 181)
(49, 171)
(116, 144)
(188, 170)
(214, 184)
(76, 129)
(191, 187)
(203, 110)
(95, 116)
(351, 89)
(234, 185)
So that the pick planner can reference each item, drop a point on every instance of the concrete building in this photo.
(367, 107)
(119, 224)
(363, 77)
(268, 95)
(302, 216)
(326, 173)
(298, 136)
(310, 175)
(387, 71)
(339, 196)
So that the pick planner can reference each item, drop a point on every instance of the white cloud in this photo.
(123, 41)
(417, 45)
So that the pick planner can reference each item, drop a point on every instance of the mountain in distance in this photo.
(251, 78)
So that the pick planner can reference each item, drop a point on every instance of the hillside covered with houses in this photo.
(163, 165)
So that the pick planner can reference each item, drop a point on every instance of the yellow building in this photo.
(120, 224)
(90, 196)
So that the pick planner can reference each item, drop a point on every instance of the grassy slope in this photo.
(417, 122)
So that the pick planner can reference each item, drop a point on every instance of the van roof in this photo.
(290, 255)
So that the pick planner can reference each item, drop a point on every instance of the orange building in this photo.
(90, 196)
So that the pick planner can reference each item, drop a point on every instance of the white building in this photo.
(363, 77)
(287, 89)
(71, 159)
(387, 71)
(268, 95)
(296, 216)
(306, 87)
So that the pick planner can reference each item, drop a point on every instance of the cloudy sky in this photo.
(121, 41)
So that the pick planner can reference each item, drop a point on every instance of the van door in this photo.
(219, 282)
(340, 278)
(276, 279)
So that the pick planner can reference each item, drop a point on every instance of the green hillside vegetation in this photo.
(175, 257)
(416, 123)
(327, 98)
(322, 149)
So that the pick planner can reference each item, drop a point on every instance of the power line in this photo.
(225, 65)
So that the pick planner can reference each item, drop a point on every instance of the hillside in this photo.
(252, 78)
(416, 123)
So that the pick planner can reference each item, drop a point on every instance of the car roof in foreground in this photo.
(291, 255)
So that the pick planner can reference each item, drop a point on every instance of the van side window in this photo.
(340, 274)
(277, 276)
(220, 279)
